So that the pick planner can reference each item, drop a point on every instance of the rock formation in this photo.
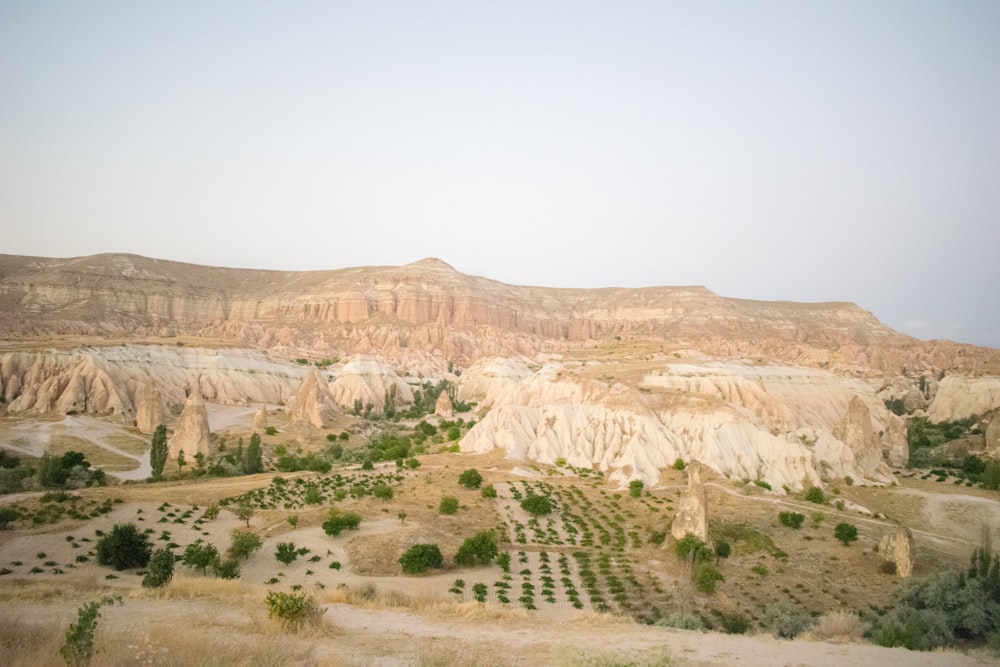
(191, 435)
(260, 419)
(313, 403)
(149, 411)
(366, 380)
(992, 436)
(443, 407)
(692, 508)
(898, 548)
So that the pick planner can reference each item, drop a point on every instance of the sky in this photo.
(844, 150)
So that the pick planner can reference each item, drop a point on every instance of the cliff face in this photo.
(410, 313)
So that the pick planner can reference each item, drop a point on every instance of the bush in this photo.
(679, 464)
(286, 552)
(338, 521)
(635, 488)
(200, 556)
(78, 648)
(124, 547)
(791, 519)
(682, 621)
(382, 491)
(723, 550)
(160, 570)
(470, 479)
(421, 557)
(735, 623)
(691, 547)
(841, 625)
(488, 491)
(537, 505)
(785, 621)
(705, 576)
(481, 548)
(846, 533)
(449, 505)
(243, 544)
(293, 610)
(227, 569)
(815, 495)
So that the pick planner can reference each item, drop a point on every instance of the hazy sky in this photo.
(811, 151)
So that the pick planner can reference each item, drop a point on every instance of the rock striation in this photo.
(692, 508)
(191, 435)
(367, 381)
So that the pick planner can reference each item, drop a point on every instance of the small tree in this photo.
(244, 512)
(488, 491)
(78, 648)
(253, 461)
(481, 548)
(200, 556)
(815, 495)
(382, 490)
(723, 550)
(537, 505)
(338, 521)
(286, 552)
(293, 610)
(791, 519)
(158, 451)
(635, 488)
(449, 505)
(470, 479)
(421, 557)
(124, 547)
(160, 570)
(846, 533)
(243, 544)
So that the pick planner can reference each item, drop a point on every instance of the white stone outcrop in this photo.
(191, 434)
(959, 396)
(313, 403)
(692, 508)
(260, 419)
(149, 412)
(443, 407)
(368, 380)
(898, 548)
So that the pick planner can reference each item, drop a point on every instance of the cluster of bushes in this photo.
(945, 609)
(479, 549)
(704, 572)
(70, 471)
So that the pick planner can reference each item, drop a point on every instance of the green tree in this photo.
(200, 556)
(449, 505)
(692, 548)
(481, 548)
(78, 648)
(815, 495)
(846, 533)
(286, 552)
(470, 479)
(421, 557)
(488, 491)
(338, 521)
(158, 451)
(243, 544)
(293, 610)
(791, 519)
(382, 490)
(253, 461)
(635, 488)
(244, 511)
(160, 570)
(537, 505)
(124, 547)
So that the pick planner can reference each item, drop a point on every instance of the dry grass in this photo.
(573, 656)
(128, 443)
(99, 456)
(838, 626)
(183, 587)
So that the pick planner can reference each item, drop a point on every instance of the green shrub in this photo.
(449, 505)
(537, 505)
(382, 491)
(293, 610)
(691, 547)
(481, 548)
(470, 479)
(705, 576)
(791, 519)
(488, 491)
(124, 547)
(635, 488)
(421, 557)
(785, 621)
(723, 550)
(160, 570)
(846, 533)
(681, 621)
(286, 552)
(679, 464)
(734, 623)
(271, 430)
(338, 521)
(78, 647)
(815, 495)
(243, 544)
(200, 556)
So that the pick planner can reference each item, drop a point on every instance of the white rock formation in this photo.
(959, 396)
(443, 407)
(366, 379)
(191, 435)
(313, 403)
(783, 425)
(692, 508)
(898, 548)
(149, 412)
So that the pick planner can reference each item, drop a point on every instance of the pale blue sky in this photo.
(810, 151)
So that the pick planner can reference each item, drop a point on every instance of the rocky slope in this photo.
(425, 314)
